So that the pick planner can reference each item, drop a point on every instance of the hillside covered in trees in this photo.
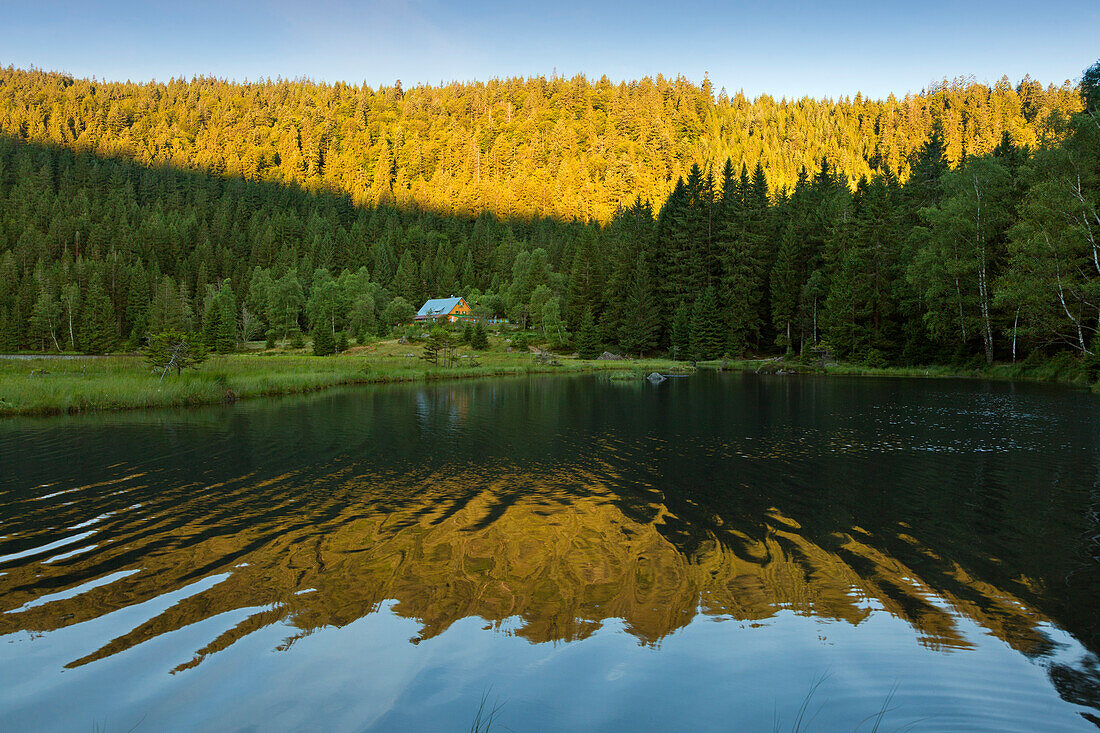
(563, 148)
(956, 225)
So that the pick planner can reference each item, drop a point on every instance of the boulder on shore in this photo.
(608, 356)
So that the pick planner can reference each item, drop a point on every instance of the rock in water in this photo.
(656, 378)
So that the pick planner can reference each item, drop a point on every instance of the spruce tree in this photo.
(680, 333)
(641, 318)
(44, 318)
(99, 329)
(9, 342)
(588, 338)
(480, 338)
(707, 339)
(323, 342)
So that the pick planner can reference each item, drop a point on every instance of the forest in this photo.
(955, 226)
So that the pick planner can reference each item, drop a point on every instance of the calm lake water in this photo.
(703, 554)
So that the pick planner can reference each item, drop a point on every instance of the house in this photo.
(453, 309)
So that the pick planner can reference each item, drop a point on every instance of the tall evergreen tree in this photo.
(641, 318)
(588, 338)
(99, 329)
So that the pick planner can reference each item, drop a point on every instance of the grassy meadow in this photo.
(42, 386)
(38, 386)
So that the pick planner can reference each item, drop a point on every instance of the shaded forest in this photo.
(957, 226)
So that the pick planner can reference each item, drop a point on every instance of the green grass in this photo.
(1064, 369)
(53, 386)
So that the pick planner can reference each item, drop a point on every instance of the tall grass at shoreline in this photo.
(56, 386)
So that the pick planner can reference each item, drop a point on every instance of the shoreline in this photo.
(123, 382)
(1041, 373)
(49, 386)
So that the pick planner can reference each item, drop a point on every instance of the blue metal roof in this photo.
(438, 306)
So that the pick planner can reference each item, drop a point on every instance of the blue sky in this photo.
(784, 49)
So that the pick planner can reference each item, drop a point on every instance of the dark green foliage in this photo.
(588, 338)
(680, 333)
(341, 342)
(323, 342)
(928, 242)
(399, 311)
(219, 320)
(174, 351)
(641, 317)
(520, 342)
(99, 330)
(467, 333)
(9, 339)
(479, 339)
(437, 347)
(706, 340)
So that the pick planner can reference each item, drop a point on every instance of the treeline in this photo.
(993, 258)
(565, 148)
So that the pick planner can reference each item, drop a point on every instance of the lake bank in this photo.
(53, 386)
(1052, 371)
(66, 383)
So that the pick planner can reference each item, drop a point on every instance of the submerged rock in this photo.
(656, 378)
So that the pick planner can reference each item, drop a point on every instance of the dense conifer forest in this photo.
(957, 226)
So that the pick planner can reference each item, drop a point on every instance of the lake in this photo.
(718, 552)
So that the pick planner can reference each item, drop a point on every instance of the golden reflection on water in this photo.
(554, 565)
